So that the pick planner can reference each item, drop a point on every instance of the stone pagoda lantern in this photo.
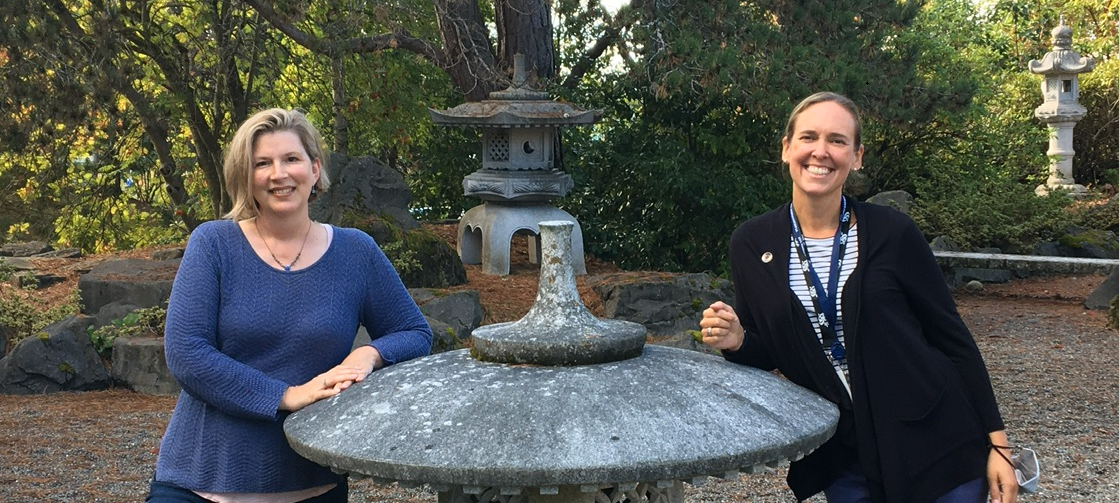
(1060, 89)
(562, 407)
(518, 178)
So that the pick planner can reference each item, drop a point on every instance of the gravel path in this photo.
(1051, 362)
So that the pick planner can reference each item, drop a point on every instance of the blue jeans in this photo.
(162, 492)
(851, 487)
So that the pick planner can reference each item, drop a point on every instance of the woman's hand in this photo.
(355, 368)
(366, 358)
(721, 328)
(1000, 473)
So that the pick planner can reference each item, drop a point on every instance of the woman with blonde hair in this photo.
(261, 322)
(845, 299)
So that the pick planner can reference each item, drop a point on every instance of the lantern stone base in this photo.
(485, 233)
(663, 491)
(1072, 189)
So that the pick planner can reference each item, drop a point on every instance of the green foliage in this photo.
(1096, 137)
(402, 258)
(66, 368)
(1093, 215)
(661, 183)
(25, 314)
(440, 164)
(145, 322)
(6, 271)
(989, 212)
(451, 343)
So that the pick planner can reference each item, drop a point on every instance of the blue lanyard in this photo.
(825, 300)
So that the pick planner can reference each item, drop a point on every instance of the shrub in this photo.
(25, 315)
(143, 322)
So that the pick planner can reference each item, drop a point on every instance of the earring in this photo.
(314, 189)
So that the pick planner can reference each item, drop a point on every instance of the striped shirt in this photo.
(819, 251)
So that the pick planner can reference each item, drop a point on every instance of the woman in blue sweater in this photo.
(845, 299)
(261, 321)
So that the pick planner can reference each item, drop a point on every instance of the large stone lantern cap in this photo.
(517, 106)
(1062, 60)
(512, 114)
(596, 416)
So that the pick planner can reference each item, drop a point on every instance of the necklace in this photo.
(287, 268)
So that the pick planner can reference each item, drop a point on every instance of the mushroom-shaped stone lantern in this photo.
(1060, 88)
(561, 406)
(518, 178)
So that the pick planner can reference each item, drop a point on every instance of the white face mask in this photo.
(1026, 469)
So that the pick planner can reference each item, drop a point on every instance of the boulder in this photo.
(421, 258)
(364, 186)
(27, 249)
(17, 263)
(897, 199)
(1100, 298)
(61, 358)
(1047, 249)
(1089, 243)
(114, 310)
(668, 305)
(961, 276)
(63, 253)
(168, 254)
(140, 364)
(943, 243)
(444, 338)
(461, 310)
(31, 279)
(142, 283)
(432, 262)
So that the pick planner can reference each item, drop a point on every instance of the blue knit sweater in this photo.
(240, 332)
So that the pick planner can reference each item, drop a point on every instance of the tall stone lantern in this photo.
(1060, 110)
(519, 177)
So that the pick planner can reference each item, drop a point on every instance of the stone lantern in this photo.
(562, 407)
(1060, 110)
(518, 178)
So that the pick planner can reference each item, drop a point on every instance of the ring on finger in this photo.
(709, 331)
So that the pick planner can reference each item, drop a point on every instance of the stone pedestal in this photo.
(485, 232)
(562, 407)
(1060, 161)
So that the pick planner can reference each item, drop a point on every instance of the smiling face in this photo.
(821, 149)
(282, 173)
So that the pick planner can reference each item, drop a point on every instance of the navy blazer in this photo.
(922, 399)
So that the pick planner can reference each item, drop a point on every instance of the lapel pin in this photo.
(767, 257)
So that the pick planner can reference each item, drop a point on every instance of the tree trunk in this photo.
(341, 124)
(469, 56)
(525, 27)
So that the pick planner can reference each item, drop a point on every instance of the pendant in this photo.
(838, 352)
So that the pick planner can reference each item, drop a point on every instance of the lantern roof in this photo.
(517, 106)
(1062, 59)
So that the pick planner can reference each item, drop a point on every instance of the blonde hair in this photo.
(822, 97)
(238, 162)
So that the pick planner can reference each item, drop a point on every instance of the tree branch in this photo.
(622, 20)
(586, 61)
(398, 39)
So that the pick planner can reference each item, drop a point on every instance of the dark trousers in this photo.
(162, 492)
(851, 487)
